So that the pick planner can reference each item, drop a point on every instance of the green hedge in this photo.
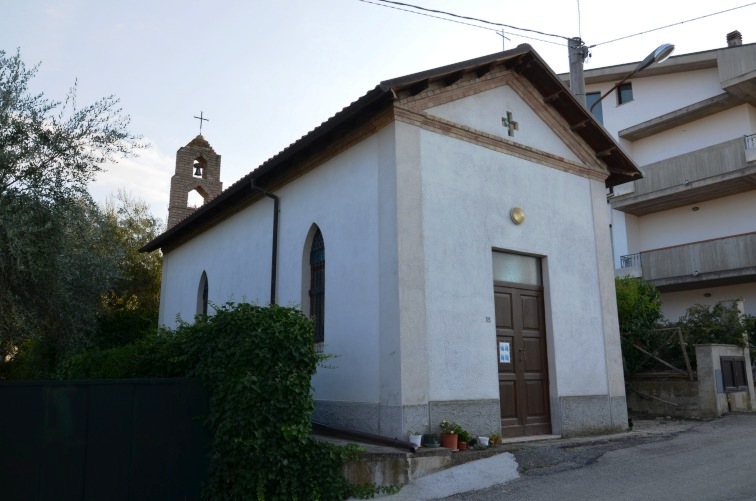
(257, 363)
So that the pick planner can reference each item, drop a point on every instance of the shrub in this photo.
(719, 323)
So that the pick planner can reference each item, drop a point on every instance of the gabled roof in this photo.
(523, 60)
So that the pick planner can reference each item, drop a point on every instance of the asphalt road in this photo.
(712, 460)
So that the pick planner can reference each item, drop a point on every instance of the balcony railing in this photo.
(726, 260)
(750, 142)
(630, 261)
(716, 171)
(750, 147)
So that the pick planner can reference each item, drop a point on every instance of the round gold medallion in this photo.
(517, 215)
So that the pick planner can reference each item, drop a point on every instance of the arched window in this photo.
(317, 284)
(202, 295)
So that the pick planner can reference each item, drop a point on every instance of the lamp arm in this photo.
(612, 89)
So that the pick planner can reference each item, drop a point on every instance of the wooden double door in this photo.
(523, 366)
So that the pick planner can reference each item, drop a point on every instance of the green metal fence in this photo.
(109, 440)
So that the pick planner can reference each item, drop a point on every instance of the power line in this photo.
(469, 18)
(674, 24)
(430, 15)
(500, 33)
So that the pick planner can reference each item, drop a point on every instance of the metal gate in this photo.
(114, 440)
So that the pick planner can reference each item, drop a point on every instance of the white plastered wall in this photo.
(236, 260)
(656, 95)
(467, 194)
(342, 197)
(484, 112)
(674, 304)
(718, 218)
(709, 131)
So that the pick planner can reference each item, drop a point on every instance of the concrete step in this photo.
(391, 466)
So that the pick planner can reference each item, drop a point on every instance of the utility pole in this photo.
(578, 52)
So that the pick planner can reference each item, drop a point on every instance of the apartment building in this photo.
(689, 226)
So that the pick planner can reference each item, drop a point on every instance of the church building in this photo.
(448, 232)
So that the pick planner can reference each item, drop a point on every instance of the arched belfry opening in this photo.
(196, 198)
(200, 167)
(196, 180)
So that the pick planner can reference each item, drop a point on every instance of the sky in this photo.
(267, 72)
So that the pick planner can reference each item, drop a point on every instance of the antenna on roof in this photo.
(503, 39)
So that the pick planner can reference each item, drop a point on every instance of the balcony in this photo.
(717, 171)
(709, 263)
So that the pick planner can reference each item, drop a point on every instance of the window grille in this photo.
(630, 261)
(317, 285)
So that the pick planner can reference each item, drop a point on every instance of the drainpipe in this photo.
(331, 431)
(274, 251)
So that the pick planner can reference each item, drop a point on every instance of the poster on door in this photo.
(504, 356)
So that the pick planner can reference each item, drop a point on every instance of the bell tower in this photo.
(197, 170)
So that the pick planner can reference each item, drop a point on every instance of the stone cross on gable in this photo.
(200, 118)
(510, 124)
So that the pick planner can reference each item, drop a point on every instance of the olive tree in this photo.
(57, 257)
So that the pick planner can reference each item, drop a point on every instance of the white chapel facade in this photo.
(449, 231)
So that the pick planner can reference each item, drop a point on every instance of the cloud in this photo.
(147, 177)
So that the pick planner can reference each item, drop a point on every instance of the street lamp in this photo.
(661, 53)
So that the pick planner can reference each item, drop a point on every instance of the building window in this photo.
(625, 93)
(516, 268)
(317, 285)
(598, 112)
(202, 295)
(733, 374)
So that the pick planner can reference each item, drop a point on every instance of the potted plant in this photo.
(483, 441)
(416, 438)
(494, 439)
(449, 434)
(463, 438)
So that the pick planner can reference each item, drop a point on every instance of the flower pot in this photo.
(416, 439)
(483, 441)
(430, 441)
(449, 440)
(462, 445)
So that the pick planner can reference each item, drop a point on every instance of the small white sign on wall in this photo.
(504, 356)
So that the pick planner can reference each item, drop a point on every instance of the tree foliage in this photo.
(60, 254)
(131, 224)
(55, 259)
(52, 149)
(639, 312)
(638, 305)
(720, 323)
